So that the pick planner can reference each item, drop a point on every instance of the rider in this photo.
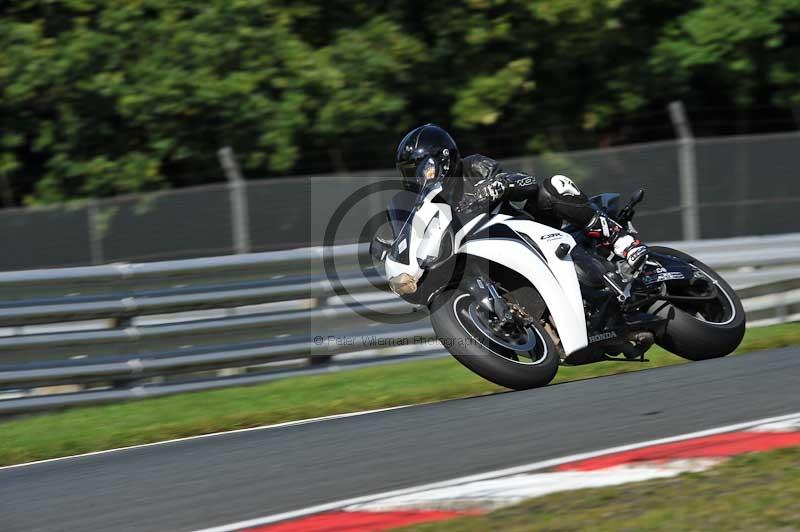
(484, 183)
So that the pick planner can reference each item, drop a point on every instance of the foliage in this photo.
(113, 96)
(750, 46)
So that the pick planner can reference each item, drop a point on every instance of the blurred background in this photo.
(169, 171)
(114, 113)
(230, 132)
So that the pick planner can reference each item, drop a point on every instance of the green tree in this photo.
(747, 50)
(127, 96)
(105, 97)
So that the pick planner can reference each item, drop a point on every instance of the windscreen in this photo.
(402, 218)
(399, 209)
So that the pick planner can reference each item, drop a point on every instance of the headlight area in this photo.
(403, 284)
(428, 254)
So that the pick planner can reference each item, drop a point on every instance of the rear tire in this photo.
(693, 337)
(477, 352)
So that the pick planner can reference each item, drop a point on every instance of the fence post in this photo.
(690, 214)
(238, 197)
(95, 233)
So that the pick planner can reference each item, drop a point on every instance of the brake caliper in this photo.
(520, 315)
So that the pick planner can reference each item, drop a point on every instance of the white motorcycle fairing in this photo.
(420, 237)
(534, 257)
(518, 243)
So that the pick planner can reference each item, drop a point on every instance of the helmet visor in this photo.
(422, 172)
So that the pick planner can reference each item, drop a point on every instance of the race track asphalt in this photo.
(212, 481)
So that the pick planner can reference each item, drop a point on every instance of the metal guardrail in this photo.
(166, 327)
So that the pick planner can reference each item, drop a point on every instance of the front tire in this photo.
(701, 333)
(531, 362)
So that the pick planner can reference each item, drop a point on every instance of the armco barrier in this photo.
(119, 331)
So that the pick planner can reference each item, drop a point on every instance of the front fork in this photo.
(506, 316)
(489, 300)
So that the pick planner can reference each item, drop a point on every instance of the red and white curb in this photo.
(478, 494)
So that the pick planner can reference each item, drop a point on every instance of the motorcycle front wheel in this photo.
(518, 359)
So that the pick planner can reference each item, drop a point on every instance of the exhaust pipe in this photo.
(642, 341)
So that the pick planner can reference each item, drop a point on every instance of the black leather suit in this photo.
(550, 200)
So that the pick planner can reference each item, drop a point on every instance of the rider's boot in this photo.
(624, 244)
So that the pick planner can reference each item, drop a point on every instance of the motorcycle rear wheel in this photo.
(705, 331)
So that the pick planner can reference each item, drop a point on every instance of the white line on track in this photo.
(544, 464)
(210, 435)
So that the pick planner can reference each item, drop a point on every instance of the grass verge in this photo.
(750, 492)
(104, 427)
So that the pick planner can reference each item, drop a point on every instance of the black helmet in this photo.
(426, 153)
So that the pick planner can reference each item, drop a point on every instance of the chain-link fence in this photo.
(745, 185)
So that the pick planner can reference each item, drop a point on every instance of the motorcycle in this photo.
(512, 299)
